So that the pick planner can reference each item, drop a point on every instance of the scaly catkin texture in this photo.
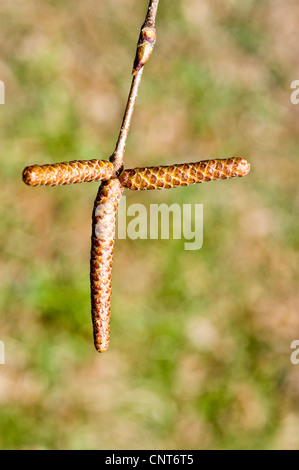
(166, 177)
(102, 246)
(68, 173)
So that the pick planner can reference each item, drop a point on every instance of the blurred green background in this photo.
(199, 356)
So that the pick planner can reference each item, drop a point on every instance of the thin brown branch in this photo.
(145, 47)
(152, 13)
(118, 156)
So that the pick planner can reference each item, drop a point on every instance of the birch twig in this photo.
(145, 47)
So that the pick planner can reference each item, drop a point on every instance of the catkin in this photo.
(78, 171)
(166, 177)
(102, 246)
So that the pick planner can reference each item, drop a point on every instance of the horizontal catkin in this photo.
(78, 171)
(166, 177)
(102, 246)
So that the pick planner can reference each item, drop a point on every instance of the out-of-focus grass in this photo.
(200, 341)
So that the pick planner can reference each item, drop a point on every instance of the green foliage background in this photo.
(200, 341)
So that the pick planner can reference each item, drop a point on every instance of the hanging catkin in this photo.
(102, 246)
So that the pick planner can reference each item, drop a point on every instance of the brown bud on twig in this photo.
(166, 177)
(145, 47)
(102, 246)
(78, 171)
